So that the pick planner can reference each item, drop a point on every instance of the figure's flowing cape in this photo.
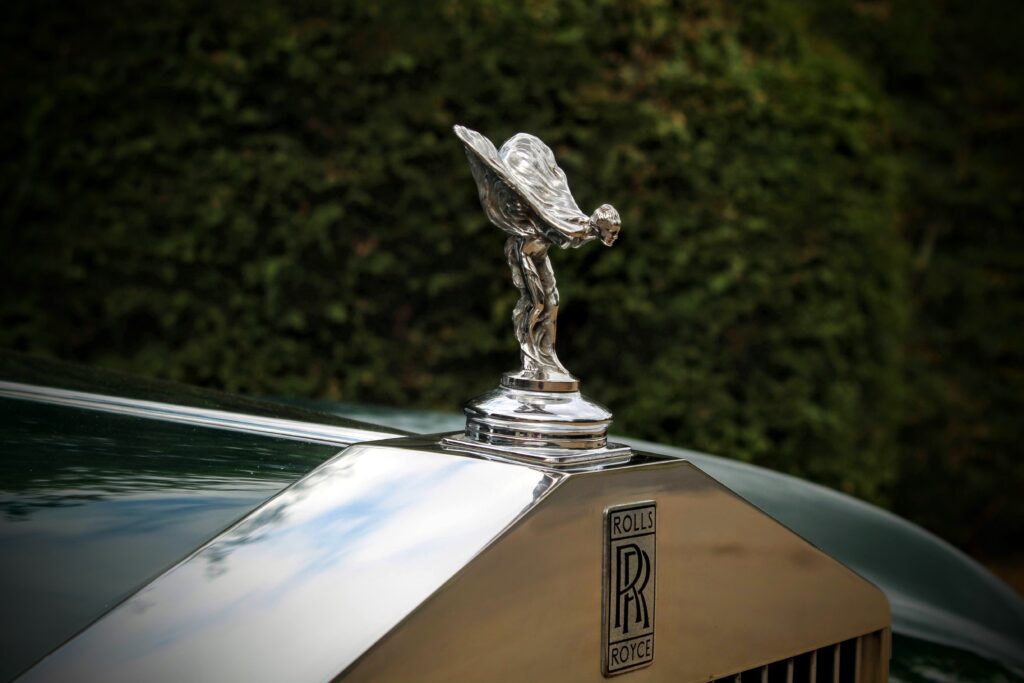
(524, 169)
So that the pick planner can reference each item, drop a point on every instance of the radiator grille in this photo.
(858, 660)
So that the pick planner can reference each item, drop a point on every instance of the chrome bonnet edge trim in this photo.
(306, 583)
(203, 417)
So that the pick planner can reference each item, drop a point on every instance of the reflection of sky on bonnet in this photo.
(114, 546)
(343, 555)
(95, 505)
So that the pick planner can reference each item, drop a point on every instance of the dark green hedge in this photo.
(266, 196)
(952, 74)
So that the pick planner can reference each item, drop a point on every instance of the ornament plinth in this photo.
(554, 428)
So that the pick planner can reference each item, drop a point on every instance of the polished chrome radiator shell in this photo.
(402, 560)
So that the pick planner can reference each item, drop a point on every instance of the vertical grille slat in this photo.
(857, 660)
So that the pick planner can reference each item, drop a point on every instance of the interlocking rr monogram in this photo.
(629, 587)
(634, 572)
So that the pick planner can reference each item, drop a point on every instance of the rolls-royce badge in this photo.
(627, 635)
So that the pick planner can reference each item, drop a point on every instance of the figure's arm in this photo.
(571, 238)
(604, 224)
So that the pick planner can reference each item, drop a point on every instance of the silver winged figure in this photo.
(525, 193)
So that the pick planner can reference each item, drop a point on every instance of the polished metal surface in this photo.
(300, 588)
(735, 590)
(938, 594)
(558, 429)
(401, 561)
(526, 194)
(205, 417)
(537, 412)
(555, 458)
(94, 505)
(630, 587)
(537, 419)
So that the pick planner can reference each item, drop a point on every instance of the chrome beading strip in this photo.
(536, 440)
(204, 417)
(551, 454)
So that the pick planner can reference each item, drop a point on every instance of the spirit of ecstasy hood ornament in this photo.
(525, 193)
(537, 413)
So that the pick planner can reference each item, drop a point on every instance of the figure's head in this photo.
(606, 223)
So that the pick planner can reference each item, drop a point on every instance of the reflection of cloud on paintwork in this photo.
(347, 552)
(94, 505)
(372, 500)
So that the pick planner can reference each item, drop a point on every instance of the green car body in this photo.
(95, 504)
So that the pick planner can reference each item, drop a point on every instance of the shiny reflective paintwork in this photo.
(937, 593)
(47, 381)
(94, 505)
(814, 512)
(201, 417)
(402, 561)
(919, 661)
(305, 584)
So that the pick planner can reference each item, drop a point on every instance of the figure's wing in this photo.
(488, 171)
(522, 189)
(543, 186)
(502, 203)
(482, 148)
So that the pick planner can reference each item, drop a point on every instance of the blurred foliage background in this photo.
(821, 264)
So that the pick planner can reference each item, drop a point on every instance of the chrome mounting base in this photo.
(552, 428)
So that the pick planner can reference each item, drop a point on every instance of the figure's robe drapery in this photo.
(526, 194)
